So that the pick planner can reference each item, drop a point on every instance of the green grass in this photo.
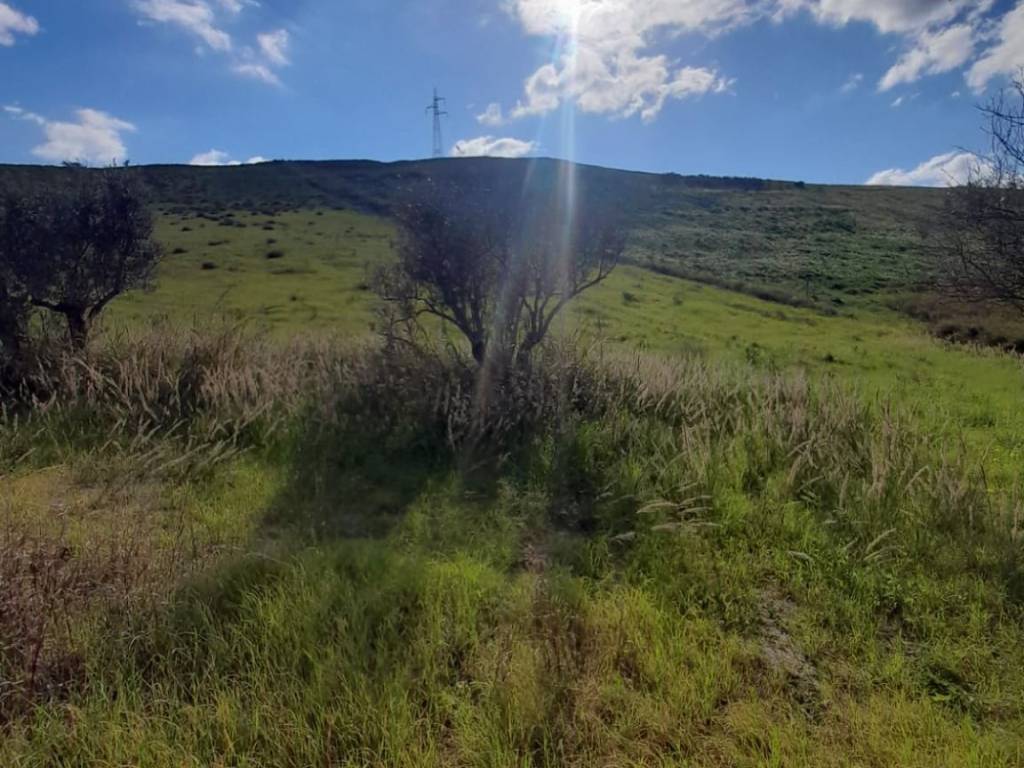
(958, 391)
(831, 245)
(321, 280)
(782, 537)
(318, 280)
(704, 566)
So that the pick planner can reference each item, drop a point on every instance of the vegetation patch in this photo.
(654, 561)
(467, 486)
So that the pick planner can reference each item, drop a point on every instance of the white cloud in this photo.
(200, 18)
(1006, 55)
(492, 116)
(212, 157)
(12, 22)
(274, 47)
(932, 54)
(607, 67)
(542, 92)
(945, 170)
(609, 61)
(257, 71)
(623, 85)
(94, 138)
(887, 15)
(852, 83)
(219, 157)
(604, 20)
(493, 147)
(236, 6)
(941, 35)
(21, 114)
(195, 16)
(270, 54)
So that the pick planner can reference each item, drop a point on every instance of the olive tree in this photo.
(74, 249)
(983, 224)
(497, 269)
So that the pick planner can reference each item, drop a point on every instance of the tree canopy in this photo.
(74, 249)
(497, 269)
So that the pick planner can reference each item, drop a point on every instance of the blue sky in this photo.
(836, 91)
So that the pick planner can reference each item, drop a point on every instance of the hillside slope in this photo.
(823, 243)
(705, 529)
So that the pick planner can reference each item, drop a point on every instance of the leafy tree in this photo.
(73, 250)
(497, 269)
(983, 226)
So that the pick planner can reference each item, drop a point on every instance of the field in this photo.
(305, 270)
(320, 263)
(714, 529)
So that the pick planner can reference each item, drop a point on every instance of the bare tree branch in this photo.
(983, 227)
(499, 268)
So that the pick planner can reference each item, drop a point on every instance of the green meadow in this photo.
(287, 272)
(714, 529)
(310, 271)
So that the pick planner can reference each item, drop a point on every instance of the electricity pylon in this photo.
(436, 108)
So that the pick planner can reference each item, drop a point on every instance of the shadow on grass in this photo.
(343, 483)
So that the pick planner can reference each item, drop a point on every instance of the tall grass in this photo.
(599, 560)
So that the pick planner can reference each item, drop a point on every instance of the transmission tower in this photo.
(436, 109)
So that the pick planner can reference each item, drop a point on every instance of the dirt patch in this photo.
(782, 655)
(535, 557)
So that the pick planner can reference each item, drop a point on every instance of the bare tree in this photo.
(497, 270)
(983, 225)
(73, 250)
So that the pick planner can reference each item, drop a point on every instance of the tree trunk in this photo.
(13, 335)
(12, 351)
(79, 325)
(479, 352)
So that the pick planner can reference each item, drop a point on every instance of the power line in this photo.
(436, 108)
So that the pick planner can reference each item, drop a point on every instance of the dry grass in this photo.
(70, 556)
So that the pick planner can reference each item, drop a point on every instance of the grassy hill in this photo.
(782, 274)
(743, 513)
(816, 243)
(291, 246)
